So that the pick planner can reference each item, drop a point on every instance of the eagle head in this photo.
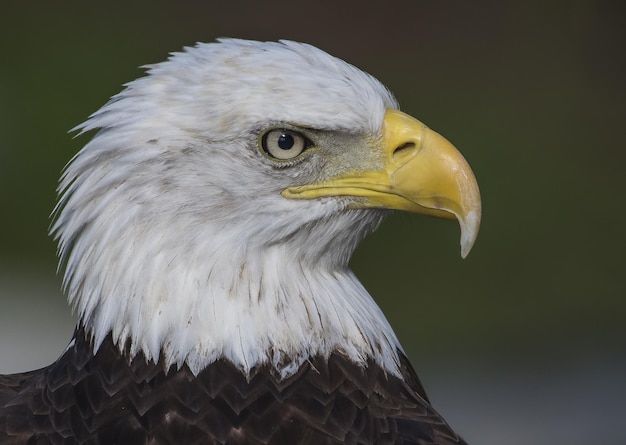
(214, 212)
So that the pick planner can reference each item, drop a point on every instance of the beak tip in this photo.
(469, 231)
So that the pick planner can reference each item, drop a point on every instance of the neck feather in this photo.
(198, 302)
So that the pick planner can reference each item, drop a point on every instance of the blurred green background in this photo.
(524, 341)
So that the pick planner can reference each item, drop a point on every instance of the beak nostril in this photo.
(407, 146)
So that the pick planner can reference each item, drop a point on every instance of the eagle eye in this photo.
(284, 144)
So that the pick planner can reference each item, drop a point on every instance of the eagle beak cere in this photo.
(421, 173)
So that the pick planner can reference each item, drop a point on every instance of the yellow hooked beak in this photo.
(421, 173)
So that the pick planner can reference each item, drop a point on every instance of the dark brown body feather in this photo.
(104, 399)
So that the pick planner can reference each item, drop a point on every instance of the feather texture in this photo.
(103, 399)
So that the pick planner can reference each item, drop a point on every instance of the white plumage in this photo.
(172, 225)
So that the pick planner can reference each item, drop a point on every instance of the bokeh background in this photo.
(524, 341)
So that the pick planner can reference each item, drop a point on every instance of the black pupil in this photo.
(285, 141)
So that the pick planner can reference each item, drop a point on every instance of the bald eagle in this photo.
(205, 232)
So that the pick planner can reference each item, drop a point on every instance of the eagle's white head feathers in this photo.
(173, 230)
